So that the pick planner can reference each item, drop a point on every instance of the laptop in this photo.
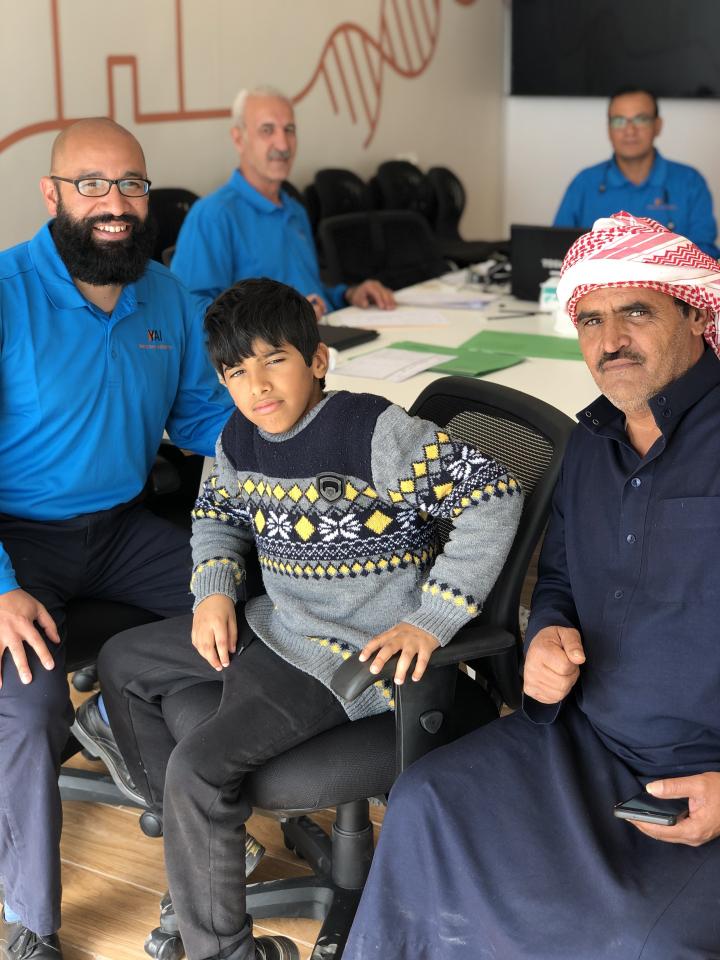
(342, 338)
(535, 253)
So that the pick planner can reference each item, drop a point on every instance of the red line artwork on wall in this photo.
(350, 67)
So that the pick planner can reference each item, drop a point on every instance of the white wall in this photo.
(450, 114)
(549, 139)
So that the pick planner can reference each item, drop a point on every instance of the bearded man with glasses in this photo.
(637, 178)
(101, 350)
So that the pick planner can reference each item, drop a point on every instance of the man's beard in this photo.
(101, 264)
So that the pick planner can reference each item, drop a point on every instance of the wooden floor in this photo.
(113, 878)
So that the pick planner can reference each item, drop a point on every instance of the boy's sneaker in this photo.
(19, 943)
(275, 948)
(97, 738)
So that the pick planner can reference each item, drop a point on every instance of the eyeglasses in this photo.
(100, 187)
(640, 120)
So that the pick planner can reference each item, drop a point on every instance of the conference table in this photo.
(565, 384)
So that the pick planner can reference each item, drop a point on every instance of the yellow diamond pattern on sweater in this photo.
(378, 522)
(304, 528)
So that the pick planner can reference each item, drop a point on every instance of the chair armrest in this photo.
(474, 641)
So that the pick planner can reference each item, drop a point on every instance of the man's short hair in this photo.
(259, 309)
(623, 91)
(238, 107)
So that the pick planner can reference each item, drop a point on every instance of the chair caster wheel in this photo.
(85, 679)
(164, 946)
(151, 824)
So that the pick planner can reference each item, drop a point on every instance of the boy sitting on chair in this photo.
(340, 494)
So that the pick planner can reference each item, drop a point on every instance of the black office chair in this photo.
(346, 766)
(340, 191)
(169, 207)
(396, 247)
(449, 205)
(400, 185)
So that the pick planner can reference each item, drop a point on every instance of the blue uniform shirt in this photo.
(236, 232)
(85, 395)
(630, 559)
(673, 194)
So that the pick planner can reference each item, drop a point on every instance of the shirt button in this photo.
(631, 538)
(661, 401)
(618, 594)
(667, 413)
(113, 353)
(636, 481)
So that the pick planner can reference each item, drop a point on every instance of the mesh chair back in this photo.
(394, 246)
(169, 207)
(340, 191)
(401, 185)
(528, 437)
(449, 201)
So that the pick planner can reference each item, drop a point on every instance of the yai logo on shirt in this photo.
(331, 486)
(155, 340)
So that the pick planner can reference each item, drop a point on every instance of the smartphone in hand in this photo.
(651, 809)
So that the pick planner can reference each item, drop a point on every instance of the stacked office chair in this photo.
(449, 205)
(396, 247)
(169, 207)
(350, 764)
(400, 185)
(339, 191)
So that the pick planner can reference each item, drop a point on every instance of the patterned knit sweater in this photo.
(343, 510)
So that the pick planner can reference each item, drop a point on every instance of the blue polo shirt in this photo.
(236, 232)
(673, 194)
(85, 395)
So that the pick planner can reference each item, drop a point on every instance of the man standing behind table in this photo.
(250, 227)
(637, 178)
(101, 349)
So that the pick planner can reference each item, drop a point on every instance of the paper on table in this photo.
(399, 317)
(468, 361)
(526, 344)
(391, 364)
(449, 299)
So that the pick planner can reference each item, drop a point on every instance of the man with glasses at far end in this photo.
(101, 350)
(637, 178)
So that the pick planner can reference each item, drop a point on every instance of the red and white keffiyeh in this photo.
(627, 251)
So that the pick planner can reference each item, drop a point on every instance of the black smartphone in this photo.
(651, 809)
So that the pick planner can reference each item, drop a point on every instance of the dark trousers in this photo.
(124, 554)
(267, 706)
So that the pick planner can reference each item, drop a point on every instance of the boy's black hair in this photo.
(259, 309)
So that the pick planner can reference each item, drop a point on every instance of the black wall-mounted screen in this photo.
(588, 48)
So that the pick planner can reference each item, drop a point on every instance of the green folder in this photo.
(469, 361)
(526, 345)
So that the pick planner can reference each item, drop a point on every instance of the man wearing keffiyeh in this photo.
(504, 844)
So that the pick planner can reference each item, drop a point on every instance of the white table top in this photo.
(566, 384)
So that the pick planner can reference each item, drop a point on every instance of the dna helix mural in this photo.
(350, 68)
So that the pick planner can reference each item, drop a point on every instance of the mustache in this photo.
(278, 154)
(621, 354)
